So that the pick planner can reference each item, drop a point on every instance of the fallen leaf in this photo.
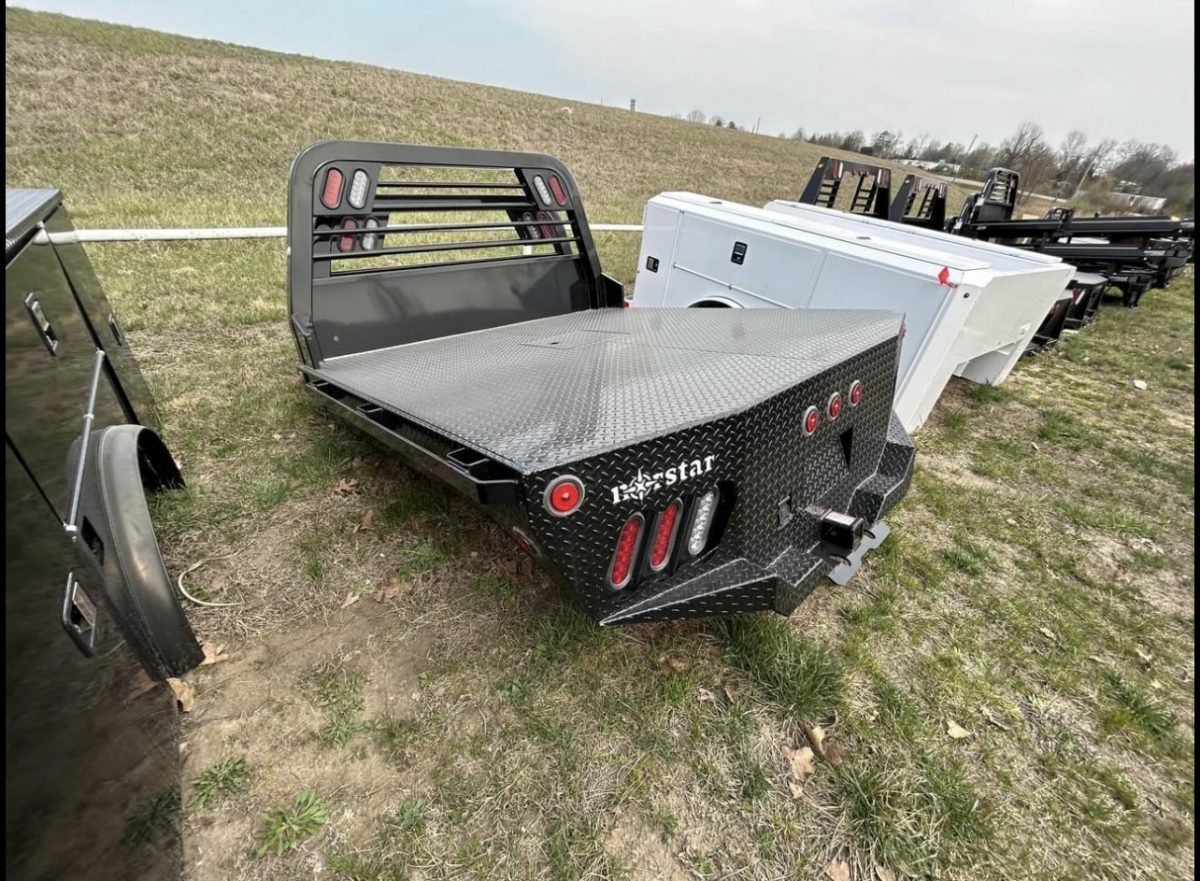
(802, 764)
(350, 600)
(991, 719)
(184, 695)
(185, 750)
(1048, 633)
(670, 663)
(883, 874)
(838, 870)
(366, 523)
(729, 693)
(213, 654)
(391, 591)
(344, 487)
(1141, 385)
(1145, 656)
(816, 736)
(1036, 448)
(957, 731)
(1011, 522)
(145, 305)
(836, 754)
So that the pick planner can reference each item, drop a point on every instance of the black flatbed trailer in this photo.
(1138, 253)
(1051, 329)
(661, 463)
(1087, 293)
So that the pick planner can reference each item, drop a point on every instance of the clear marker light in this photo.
(702, 522)
(359, 183)
(539, 184)
(369, 240)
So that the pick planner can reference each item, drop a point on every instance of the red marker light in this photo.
(547, 230)
(812, 418)
(856, 393)
(556, 187)
(834, 409)
(621, 571)
(664, 536)
(564, 496)
(331, 193)
(346, 243)
(944, 276)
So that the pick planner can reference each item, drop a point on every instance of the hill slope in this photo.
(193, 132)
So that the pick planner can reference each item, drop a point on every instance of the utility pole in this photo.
(633, 105)
(1079, 189)
(967, 152)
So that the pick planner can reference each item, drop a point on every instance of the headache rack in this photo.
(872, 187)
(920, 201)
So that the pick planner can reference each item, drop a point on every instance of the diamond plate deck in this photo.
(542, 394)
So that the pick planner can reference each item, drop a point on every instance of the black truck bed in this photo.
(544, 393)
(663, 464)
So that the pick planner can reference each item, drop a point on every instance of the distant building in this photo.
(933, 165)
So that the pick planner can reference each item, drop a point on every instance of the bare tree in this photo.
(717, 121)
(853, 142)
(798, 134)
(696, 116)
(1027, 153)
(883, 144)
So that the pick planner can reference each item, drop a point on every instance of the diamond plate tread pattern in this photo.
(514, 395)
(760, 458)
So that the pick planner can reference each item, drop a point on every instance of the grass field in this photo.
(1007, 692)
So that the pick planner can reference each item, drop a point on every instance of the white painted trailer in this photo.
(1042, 279)
(965, 315)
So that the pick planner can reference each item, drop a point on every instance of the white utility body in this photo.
(970, 311)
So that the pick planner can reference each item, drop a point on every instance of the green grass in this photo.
(1038, 587)
(223, 781)
(338, 693)
(285, 828)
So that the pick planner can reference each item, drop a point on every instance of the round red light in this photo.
(812, 419)
(835, 406)
(525, 543)
(856, 394)
(564, 496)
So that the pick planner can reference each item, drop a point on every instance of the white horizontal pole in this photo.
(199, 234)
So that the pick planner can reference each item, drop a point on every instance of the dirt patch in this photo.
(642, 852)
(257, 705)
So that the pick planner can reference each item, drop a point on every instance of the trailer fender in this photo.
(117, 549)
(716, 303)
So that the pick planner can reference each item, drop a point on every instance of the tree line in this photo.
(1075, 167)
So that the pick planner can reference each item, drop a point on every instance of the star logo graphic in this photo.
(641, 486)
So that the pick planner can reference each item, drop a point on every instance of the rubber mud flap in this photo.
(117, 545)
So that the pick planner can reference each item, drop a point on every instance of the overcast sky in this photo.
(950, 68)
